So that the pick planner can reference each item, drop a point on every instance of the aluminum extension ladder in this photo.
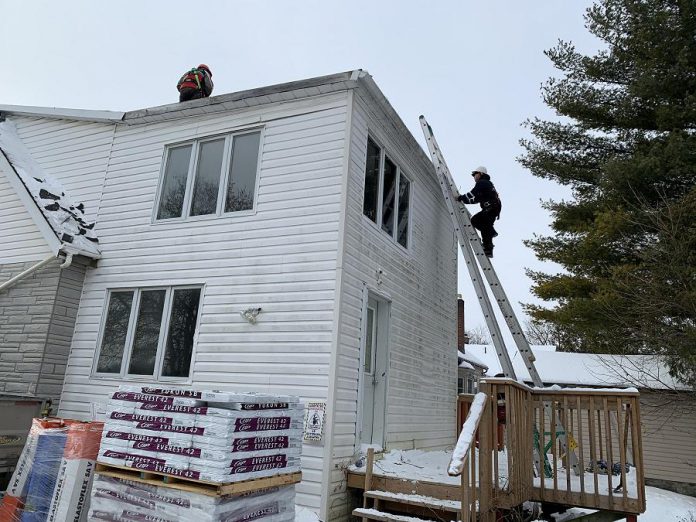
(472, 249)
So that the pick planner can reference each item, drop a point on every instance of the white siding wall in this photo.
(422, 284)
(283, 259)
(74, 152)
(21, 238)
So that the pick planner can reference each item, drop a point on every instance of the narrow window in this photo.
(147, 330)
(174, 186)
(370, 340)
(402, 222)
(115, 332)
(208, 171)
(371, 196)
(182, 326)
(242, 178)
(389, 195)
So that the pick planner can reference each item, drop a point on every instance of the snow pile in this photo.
(64, 216)
(305, 515)
(466, 437)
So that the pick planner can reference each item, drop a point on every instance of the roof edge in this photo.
(63, 113)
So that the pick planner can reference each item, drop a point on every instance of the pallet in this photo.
(211, 489)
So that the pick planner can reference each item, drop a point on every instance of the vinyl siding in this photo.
(282, 257)
(422, 285)
(669, 436)
(74, 152)
(21, 237)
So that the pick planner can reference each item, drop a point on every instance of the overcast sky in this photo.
(472, 67)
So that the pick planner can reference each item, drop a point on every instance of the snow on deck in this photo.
(64, 216)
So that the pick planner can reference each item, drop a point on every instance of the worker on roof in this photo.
(196, 83)
(485, 194)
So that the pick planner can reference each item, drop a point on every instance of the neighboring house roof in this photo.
(585, 369)
(48, 202)
(471, 360)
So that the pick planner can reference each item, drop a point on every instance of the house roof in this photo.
(585, 369)
(273, 93)
(58, 218)
(470, 359)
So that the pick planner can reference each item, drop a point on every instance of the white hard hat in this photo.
(481, 169)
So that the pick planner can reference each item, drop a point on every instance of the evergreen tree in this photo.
(626, 147)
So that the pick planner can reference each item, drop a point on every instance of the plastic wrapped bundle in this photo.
(54, 474)
(118, 499)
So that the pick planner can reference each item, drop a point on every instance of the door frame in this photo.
(385, 301)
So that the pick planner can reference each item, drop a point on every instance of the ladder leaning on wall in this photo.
(474, 258)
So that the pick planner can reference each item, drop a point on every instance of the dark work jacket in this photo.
(483, 193)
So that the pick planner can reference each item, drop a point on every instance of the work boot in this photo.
(488, 251)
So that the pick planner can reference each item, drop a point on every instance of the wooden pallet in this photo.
(211, 489)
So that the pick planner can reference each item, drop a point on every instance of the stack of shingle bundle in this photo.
(116, 499)
(211, 436)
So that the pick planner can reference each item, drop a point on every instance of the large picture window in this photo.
(149, 332)
(209, 176)
(387, 194)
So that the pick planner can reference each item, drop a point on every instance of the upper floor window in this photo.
(149, 332)
(209, 176)
(387, 194)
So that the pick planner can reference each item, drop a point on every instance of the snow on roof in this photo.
(471, 359)
(584, 369)
(64, 216)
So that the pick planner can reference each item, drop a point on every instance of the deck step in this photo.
(416, 500)
(373, 514)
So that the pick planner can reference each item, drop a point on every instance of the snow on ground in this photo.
(662, 506)
(305, 515)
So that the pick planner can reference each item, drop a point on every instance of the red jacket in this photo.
(196, 79)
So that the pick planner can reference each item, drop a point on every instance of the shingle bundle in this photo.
(115, 499)
(219, 437)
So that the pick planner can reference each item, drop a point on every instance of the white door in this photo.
(374, 371)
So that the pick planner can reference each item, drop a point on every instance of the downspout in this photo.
(16, 279)
(12, 281)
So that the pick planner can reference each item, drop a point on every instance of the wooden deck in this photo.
(518, 457)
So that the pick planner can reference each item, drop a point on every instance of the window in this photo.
(209, 177)
(387, 194)
(149, 332)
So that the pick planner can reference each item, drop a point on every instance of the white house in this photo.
(290, 239)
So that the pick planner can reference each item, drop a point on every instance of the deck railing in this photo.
(520, 457)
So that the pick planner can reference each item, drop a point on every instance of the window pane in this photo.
(207, 184)
(404, 194)
(371, 181)
(182, 326)
(388, 196)
(369, 340)
(147, 329)
(115, 331)
(245, 156)
(174, 186)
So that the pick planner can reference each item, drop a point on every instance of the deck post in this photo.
(486, 514)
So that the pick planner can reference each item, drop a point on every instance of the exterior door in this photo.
(374, 371)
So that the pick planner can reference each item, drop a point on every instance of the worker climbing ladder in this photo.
(474, 258)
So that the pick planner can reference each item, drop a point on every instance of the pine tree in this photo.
(626, 147)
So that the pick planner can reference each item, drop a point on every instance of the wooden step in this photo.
(416, 500)
(373, 514)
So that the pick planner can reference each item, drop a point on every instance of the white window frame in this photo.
(224, 176)
(161, 342)
(380, 195)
